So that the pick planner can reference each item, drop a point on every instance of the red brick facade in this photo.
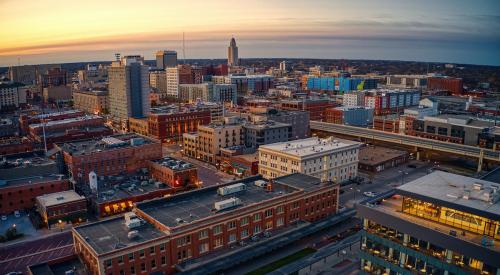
(165, 126)
(23, 196)
(192, 240)
(174, 178)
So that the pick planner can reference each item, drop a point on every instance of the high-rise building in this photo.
(283, 66)
(158, 80)
(165, 59)
(173, 82)
(129, 88)
(23, 74)
(441, 223)
(232, 53)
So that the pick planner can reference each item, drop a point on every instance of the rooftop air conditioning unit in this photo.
(230, 189)
(260, 183)
(133, 234)
(225, 204)
(131, 220)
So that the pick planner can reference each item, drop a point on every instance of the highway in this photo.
(441, 146)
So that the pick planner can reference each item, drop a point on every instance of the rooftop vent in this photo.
(225, 204)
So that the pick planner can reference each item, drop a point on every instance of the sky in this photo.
(57, 31)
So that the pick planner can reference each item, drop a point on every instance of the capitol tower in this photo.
(232, 53)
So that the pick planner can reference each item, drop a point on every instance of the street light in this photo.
(403, 173)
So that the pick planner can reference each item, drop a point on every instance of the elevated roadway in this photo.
(423, 143)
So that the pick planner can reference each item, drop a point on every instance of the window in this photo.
(130, 256)
(162, 247)
(132, 270)
(280, 222)
(203, 248)
(280, 209)
(218, 242)
(152, 250)
(153, 264)
(120, 260)
(163, 260)
(257, 229)
(244, 233)
(108, 263)
(141, 253)
(203, 234)
(231, 225)
(269, 225)
(244, 221)
(268, 213)
(232, 238)
(256, 217)
(183, 240)
(217, 229)
(143, 267)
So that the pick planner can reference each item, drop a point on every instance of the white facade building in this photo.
(172, 81)
(328, 159)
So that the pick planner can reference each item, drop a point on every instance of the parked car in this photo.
(267, 234)
(17, 214)
(370, 194)
(4, 218)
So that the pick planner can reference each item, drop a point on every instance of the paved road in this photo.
(207, 173)
(310, 241)
(383, 181)
(17, 257)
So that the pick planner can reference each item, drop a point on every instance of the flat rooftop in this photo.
(83, 147)
(30, 180)
(310, 146)
(392, 206)
(108, 235)
(455, 191)
(26, 161)
(174, 164)
(59, 198)
(199, 204)
(266, 125)
(373, 155)
(65, 121)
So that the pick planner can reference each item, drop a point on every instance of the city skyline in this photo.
(447, 31)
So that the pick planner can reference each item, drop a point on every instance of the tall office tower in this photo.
(172, 81)
(23, 74)
(232, 54)
(283, 66)
(129, 88)
(165, 59)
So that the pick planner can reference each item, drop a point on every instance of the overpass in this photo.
(423, 143)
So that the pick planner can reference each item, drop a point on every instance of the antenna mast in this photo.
(183, 48)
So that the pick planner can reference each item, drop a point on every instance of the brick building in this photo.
(113, 155)
(25, 120)
(315, 107)
(174, 172)
(15, 145)
(93, 102)
(64, 206)
(21, 193)
(161, 234)
(376, 159)
(451, 84)
(166, 126)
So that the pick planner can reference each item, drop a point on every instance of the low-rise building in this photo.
(441, 223)
(171, 124)
(57, 94)
(266, 132)
(377, 159)
(299, 120)
(20, 193)
(176, 173)
(315, 107)
(164, 233)
(93, 102)
(59, 207)
(353, 116)
(328, 159)
(112, 155)
(12, 95)
(215, 136)
(15, 145)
